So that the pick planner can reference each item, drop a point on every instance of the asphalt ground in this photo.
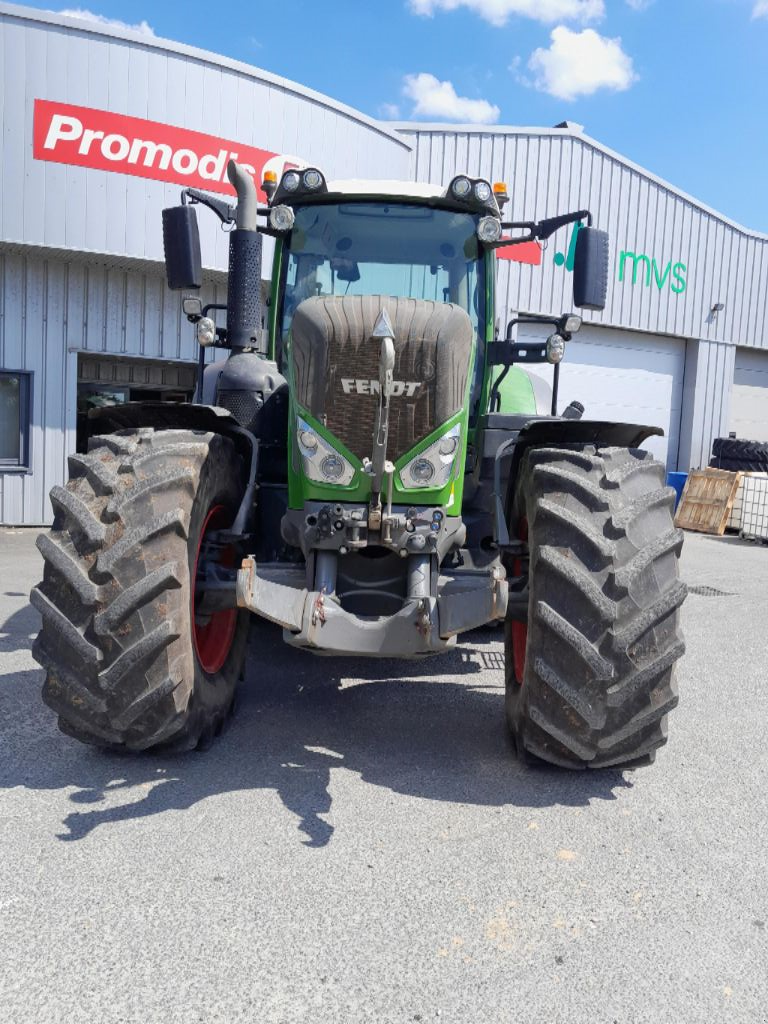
(361, 845)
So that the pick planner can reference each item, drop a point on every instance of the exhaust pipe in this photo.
(244, 283)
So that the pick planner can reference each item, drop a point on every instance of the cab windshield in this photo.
(397, 249)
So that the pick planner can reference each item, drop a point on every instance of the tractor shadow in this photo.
(432, 729)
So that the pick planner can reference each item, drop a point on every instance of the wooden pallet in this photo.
(707, 501)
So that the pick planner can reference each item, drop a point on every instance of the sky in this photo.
(678, 86)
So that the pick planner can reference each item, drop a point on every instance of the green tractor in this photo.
(367, 468)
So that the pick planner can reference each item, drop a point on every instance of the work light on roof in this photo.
(313, 179)
(482, 191)
(461, 187)
(291, 181)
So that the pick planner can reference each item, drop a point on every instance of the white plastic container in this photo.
(754, 507)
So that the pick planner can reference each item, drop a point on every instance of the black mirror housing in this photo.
(590, 269)
(181, 244)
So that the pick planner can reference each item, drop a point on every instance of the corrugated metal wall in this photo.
(557, 171)
(51, 309)
(43, 56)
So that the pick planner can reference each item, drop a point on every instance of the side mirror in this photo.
(181, 244)
(590, 269)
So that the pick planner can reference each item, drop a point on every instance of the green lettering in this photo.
(635, 261)
(661, 282)
(678, 271)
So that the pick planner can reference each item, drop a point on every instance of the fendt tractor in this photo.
(368, 468)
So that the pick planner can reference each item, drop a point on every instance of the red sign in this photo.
(85, 137)
(523, 252)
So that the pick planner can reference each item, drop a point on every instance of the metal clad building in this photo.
(683, 367)
(101, 128)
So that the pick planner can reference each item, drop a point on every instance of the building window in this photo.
(15, 419)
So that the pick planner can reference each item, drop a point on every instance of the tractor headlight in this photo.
(205, 329)
(434, 466)
(281, 218)
(290, 182)
(489, 229)
(555, 349)
(320, 460)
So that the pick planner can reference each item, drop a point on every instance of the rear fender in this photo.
(553, 433)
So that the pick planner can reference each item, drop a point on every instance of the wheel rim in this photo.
(519, 629)
(213, 640)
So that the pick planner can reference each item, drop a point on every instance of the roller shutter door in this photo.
(625, 377)
(749, 395)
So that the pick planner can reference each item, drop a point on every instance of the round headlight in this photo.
(461, 188)
(291, 181)
(489, 229)
(483, 191)
(307, 440)
(205, 329)
(281, 218)
(555, 348)
(332, 467)
(422, 471)
(448, 445)
(312, 179)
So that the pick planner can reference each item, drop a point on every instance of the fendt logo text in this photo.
(351, 386)
(99, 139)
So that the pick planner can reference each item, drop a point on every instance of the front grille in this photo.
(336, 366)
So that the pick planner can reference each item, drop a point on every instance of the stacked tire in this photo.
(739, 456)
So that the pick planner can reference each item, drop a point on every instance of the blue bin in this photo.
(677, 480)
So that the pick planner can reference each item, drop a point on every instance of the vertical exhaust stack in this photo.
(244, 284)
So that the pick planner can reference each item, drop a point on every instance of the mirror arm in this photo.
(541, 230)
(224, 211)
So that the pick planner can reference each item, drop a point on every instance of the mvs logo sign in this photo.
(84, 137)
(643, 268)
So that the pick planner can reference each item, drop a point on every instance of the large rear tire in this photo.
(589, 679)
(127, 666)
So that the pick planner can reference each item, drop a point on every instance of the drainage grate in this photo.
(710, 592)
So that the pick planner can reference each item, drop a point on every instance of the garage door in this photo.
(749, 395)
(625, 377)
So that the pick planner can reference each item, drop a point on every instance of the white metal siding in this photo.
(749, 396)
(624, 378)
(43, 56)
(49, 311)
(556, 171)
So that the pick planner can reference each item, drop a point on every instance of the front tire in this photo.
(589, 680)
(126, 665)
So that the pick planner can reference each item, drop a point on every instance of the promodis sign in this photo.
(105, 141)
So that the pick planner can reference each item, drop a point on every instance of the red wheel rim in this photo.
(213, 640)
(519, 629)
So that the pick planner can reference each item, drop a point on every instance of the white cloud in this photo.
(433, 98)
(579, 64)
(499, 11)
(640, 5)
(760, 10)
(389, 111)
(85, 15)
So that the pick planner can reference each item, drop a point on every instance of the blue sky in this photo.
(679, 86)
